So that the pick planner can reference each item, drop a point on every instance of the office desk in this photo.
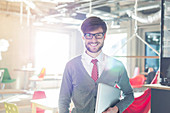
(160, 98)
(46, 104)
(12, 91)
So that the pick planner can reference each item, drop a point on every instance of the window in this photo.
(153, 39)
(113, 44)
(51, 51)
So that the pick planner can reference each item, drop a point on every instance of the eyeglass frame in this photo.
(91, 35)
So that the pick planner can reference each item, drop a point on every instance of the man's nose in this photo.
(94, 38)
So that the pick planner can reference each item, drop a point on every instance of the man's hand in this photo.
(112, 110)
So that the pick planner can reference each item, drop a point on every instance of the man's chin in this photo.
(93, 51)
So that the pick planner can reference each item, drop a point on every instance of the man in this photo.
(150, 77)
(81, 77)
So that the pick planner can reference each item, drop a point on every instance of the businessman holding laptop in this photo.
(83, 73)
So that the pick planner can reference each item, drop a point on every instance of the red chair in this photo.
(137, 81)
(39, 95)
(142, 104)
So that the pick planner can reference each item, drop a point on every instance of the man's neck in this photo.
(93, 55)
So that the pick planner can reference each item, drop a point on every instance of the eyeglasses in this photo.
(96, 35)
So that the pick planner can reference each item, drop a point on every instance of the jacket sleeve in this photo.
(65, 91)
(127, 91)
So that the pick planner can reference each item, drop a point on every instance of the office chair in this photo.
(6, 77)
(138, 81)
(39, 77)
(39, 95)
(142, 104)
(10, 108)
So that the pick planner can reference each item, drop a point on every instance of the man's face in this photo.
(94, 45)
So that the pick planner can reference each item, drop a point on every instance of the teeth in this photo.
(93, 44)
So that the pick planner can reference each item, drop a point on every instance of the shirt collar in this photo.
(87, 58)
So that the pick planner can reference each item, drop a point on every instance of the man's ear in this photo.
(83, 37)
(104, 36)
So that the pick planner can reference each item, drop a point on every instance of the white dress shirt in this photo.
(88, 65)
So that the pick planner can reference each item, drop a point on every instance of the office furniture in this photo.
(27, 72)
(142, 104)
(39, 95)
(6, 78)
(138, 81)
(38, 77)
(10, 108)
(160, 98)
(46, 104)
(12, 91)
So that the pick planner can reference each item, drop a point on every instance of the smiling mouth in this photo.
(93, 44)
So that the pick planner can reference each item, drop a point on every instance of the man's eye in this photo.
(98, 34)
(87, 34)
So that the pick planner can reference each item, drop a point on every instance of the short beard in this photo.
(88, 48)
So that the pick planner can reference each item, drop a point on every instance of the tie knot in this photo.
(94, 61)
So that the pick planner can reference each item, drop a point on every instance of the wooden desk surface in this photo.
(157, 86)
(11, 91)
(25, 69)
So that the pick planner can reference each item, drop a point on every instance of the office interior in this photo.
(41, 36)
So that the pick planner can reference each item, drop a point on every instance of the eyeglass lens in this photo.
(97, 35)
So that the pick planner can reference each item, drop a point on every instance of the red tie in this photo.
(94, 70)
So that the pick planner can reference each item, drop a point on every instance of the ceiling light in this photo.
(96, 12)
(106, 14)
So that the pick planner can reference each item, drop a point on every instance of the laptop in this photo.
(107, 96)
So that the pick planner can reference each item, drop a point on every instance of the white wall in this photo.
(19, 38)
